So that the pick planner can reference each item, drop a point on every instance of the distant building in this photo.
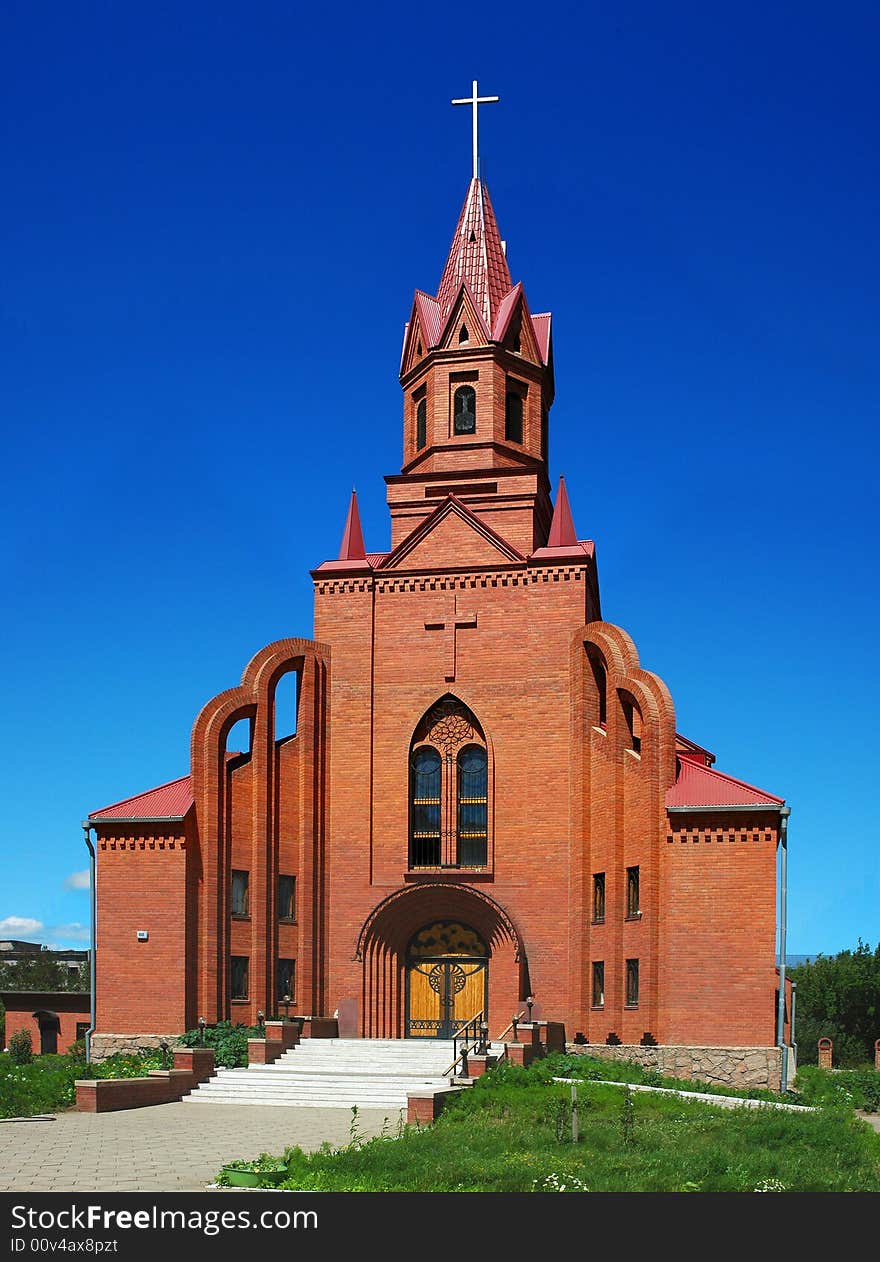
(13, 951)
(55, 1018)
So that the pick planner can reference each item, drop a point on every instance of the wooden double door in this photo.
(445, 989)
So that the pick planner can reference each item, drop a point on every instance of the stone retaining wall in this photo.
(104, 1045)
(730, 1066)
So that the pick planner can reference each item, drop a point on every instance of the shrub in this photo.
(228, 1041)
(21, 1048)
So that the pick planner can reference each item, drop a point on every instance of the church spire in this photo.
(352, 546)
(477, 255)
(562, 531)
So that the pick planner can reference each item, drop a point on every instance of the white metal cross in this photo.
(474, 100)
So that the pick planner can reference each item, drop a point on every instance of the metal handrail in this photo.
(498, 1038)
(461, 1034)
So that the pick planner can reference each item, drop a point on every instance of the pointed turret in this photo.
(562, 531)
(352, 546)
(477, 376)
(476, 256)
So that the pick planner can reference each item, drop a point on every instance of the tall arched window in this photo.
(449, 789)
(425, 808)
(464, 410)
(473, 806)
(421, 423)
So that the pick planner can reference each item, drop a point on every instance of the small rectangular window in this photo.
(598, 898)
(598, 1000)
(632, 983)
(287, 898)
(81, 1030)
(238, 977)
(632, 892)
(240, 894)
(287, 981)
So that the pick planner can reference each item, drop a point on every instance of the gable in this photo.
(451, 536)
(464, 316)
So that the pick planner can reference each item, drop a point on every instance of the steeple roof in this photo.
(562, 531)
(352, 546)
(476, 256)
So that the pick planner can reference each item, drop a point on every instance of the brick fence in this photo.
(192, 1065)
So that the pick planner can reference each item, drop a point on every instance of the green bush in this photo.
(845, 1088)
(21, 1047)
(228, 1041)
(42, 1086)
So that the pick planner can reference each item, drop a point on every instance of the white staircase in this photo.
(335, 1073)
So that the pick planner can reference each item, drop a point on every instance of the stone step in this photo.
(340, 1073)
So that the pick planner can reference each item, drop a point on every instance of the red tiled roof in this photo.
(168, 801)
(541, 325)
(476, 256)
(701, 786)
(429, 312)
(690, 749)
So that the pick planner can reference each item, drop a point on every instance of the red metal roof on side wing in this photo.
(168, 801)
(701, 786)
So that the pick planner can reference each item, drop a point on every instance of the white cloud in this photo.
(20, 927)
(74, 932)
(77, 880)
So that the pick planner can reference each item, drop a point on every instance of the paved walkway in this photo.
(166, 1148)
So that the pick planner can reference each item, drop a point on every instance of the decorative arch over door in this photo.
(447, 980)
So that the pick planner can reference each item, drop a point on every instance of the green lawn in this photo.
(512, 1133)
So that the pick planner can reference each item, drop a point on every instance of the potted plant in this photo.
(262, 1171)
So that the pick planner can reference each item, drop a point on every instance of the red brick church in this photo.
(484, 799)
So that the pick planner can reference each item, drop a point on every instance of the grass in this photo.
(46, 1085)
(512, 1133)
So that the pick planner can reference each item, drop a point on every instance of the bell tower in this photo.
(477, 380)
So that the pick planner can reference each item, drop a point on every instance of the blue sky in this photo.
(213, 220)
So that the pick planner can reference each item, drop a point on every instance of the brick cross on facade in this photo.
(451, 625)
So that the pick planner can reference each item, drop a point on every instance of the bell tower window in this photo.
(464, 410)
(463, 335)
(421, 423)
(513, 416)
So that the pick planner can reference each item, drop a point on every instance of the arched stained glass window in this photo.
(425, 808)
(473, 799)
(421, 423)
(464, 410)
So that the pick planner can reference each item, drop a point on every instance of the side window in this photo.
(464, 411)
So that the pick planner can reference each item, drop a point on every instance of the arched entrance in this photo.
(469, 928)
(447, 980)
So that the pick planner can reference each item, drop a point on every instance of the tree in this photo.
(43, 972)
(838, 997)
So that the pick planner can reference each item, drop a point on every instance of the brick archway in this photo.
(389, 930)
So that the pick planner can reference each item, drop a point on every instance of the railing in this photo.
(500, 1038)
(462, 1035)
(476, 1036)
